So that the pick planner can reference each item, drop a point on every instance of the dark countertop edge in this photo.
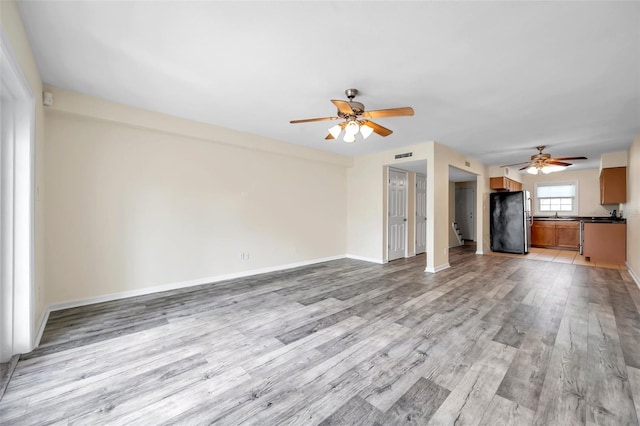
(588, 219)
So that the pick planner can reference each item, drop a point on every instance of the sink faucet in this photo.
(556, 216)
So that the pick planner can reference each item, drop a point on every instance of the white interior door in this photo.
(465, 212)
(421, 213)
(397, 211)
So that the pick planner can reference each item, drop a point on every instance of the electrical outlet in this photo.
(244, 255)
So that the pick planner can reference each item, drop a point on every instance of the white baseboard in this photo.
(411, 254)
(41, 325)
(366, 259)
(479, 252)
(437, 268)
(166, 287)
(635, 276)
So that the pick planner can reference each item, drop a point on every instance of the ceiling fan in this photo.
(356, 119)
(544, 163)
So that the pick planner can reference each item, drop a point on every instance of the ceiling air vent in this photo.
(405, 155)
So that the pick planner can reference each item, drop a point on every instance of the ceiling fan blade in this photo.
(309, 120)
(557, 163)
(391, 112)
(382, 131)
(329, 137)
(515, 164)
(343, 107)
(527, 166)
(569, 158)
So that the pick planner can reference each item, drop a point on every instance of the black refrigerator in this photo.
(510, 222)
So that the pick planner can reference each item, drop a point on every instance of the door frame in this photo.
(17, 216)
(415, 212)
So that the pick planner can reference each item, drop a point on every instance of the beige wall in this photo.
(633, 209)
(13, 29)
(513, 174)
(139, 200)
(588, 189)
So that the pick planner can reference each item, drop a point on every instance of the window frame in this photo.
(536, 199)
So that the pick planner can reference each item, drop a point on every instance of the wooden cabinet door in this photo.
(497, 183)
(613, 185)
(568, 234)
(504, 184)
(543, 233)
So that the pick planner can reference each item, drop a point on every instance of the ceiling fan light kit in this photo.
(365, 130)
(544, 163)
(352, 113)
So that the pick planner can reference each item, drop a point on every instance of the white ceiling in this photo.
(489, 79)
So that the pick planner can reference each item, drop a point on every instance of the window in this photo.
(556, 197)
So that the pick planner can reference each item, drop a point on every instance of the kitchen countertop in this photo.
(586, 219)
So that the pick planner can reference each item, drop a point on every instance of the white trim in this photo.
(479, 252)
(183, 284)
(412, 254)
(41, 325)
(635, 276)
(18, 215)
(366, 259)
(438, 268)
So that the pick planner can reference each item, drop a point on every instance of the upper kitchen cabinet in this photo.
(613, 185)
(504, 184)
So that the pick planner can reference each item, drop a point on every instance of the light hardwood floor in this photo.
(493, 340)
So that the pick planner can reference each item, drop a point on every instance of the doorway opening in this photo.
(462, 207)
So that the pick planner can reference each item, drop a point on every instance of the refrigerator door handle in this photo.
(581, 246)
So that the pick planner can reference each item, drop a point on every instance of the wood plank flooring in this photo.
(493, 340)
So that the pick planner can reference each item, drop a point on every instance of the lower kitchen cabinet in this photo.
(568, 234)
(563, 234)
(605, 242)
(543, 233)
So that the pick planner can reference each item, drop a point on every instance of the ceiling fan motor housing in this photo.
(357, 108)
(540, 157)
